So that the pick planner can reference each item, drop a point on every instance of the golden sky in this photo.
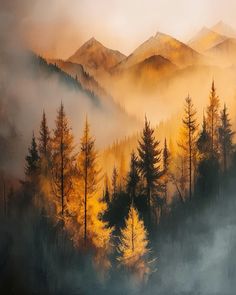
(56, 28)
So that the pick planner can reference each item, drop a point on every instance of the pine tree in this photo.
(150, 158)
(208, 165)
(213, 118)
(87, 170)
(45, 151)
(106, 194)
(203, 141)
(122, 172)
(133, 246)
(225, 138)
(93, 230)
(133, 176)
(32, 162)
(62, 159)
(188, 143)
(166, 163)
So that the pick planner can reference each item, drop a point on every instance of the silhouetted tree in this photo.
(32, 162)
(166, 163)
(149, 163)
(133, 176)
(122, 173)
(208, 166)
(45, 147)
(225, 138)
(213, 118)
(106, 194)
(204, 141)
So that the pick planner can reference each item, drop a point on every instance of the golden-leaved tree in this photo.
(213, 119)
(93, 231)
(188, 142)
(62, 162)
(133, 247)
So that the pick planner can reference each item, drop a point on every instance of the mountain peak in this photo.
(205, 39)
(91, 42)
(94, 56)
(224, 29)
(158, 34)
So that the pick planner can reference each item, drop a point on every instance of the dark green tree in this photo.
(225, 138)
(204, 141)
(166, 163)
(32, 162)
(207, 183)
(149, 163)
(133, 176)
(106, 193)
(45, 147)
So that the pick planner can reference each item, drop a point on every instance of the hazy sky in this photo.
(58, 27)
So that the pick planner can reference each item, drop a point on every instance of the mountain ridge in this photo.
(162, 44)
(93, 55)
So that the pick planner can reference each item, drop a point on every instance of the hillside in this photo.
(77, 71)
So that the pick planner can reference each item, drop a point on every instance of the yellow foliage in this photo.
(133, 245)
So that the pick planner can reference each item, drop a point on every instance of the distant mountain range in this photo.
(206, 39)
(166, 46)
(152, 68)
(217, 42)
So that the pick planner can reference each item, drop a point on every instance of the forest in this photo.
(72, 227)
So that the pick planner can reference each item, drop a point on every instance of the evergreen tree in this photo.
(133, 176)
(133, 246)
(203, 141)
(208, 165)
(32, 162)
(122, 172)
(188, 143)
(213, 118)
(62, 159)
(150, 158)
(92, 229)
(225, 138)
(87, 171)
(45, 151)
(106, 195)
(166, 163)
